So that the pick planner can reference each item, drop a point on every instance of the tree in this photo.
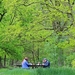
(45, 28)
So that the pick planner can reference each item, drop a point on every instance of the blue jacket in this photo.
(25, 64)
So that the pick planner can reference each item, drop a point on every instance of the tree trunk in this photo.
(33, 56)
(4, 60)
(60, 57)
(1, 62)
(60, 53)
(38, 54)
(11, 62)
(33, 53)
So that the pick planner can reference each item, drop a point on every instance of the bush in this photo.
(73, 63)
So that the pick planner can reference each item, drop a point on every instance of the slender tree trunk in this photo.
(4, 60)
(60, 57)
(1, 62)
(33, 56)
(33, 53)
(38, 54)
(11, 62)
(60, 53)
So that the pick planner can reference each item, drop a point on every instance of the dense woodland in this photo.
(37, 29)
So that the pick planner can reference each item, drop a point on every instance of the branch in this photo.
(71, 12)
(54, 8)
(2, 15)
(45, 28)
(43, 39)
(30, 3)
(44, 3)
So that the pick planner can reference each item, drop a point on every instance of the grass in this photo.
(38, 71)
(16, 71)
(56, 71)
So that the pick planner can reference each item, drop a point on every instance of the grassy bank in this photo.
(39, 71)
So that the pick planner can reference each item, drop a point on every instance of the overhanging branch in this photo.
(2, 15)
(30, 3)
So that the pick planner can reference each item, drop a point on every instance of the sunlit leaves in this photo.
(73, 63)
(29, 25)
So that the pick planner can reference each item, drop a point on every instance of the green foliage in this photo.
(73, 63)
(29, 26)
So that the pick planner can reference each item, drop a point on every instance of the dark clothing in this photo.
(46, 64)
